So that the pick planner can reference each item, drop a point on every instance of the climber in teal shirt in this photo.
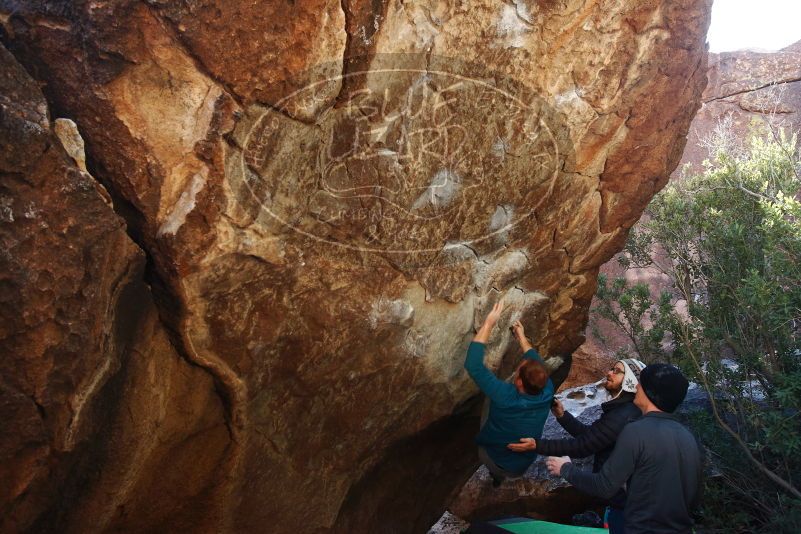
(517, 408)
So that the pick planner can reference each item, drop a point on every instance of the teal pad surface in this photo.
(532, 526)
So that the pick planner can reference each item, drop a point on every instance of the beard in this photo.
(611, 388)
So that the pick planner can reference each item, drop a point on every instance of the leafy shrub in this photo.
(729, 242)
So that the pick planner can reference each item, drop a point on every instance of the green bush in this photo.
(729, 242)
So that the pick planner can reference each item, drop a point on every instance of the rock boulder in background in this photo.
(748, 92)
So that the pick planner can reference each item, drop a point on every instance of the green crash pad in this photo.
(532, 526)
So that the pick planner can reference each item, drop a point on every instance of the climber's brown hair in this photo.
(534, 376)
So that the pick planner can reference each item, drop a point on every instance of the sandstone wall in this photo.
(330, 196)
(746, 90)
(100, 415)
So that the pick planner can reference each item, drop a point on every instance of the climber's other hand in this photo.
(526, 444)
(495, 314)
(517, 329)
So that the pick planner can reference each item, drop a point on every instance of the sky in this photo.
(754, 24)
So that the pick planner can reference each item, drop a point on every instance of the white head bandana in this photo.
(632, 376)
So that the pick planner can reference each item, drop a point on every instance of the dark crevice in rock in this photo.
(172, 315)
(132, 302)
(754, 89)
(39, 408)
(771, 112)
(348, 39)
(362, 23)
(558, 506)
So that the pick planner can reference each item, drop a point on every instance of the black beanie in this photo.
(664, 385)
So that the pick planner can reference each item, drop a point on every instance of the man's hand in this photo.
(483, 334)
(557, 409)
(495, 314)
(526, 444)
(519, 332)
(555, 463)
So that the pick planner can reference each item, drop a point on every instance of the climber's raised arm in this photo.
(494, 388)
(483, 334)
(520, 335)
(529, 352)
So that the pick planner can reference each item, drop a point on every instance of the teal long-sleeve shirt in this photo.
(512, 415)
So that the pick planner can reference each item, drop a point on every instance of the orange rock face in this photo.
(99, 412)
(330, 196)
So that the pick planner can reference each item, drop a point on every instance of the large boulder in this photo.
(100, 414)
(331, 195)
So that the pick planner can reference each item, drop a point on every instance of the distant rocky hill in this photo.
(746, 89)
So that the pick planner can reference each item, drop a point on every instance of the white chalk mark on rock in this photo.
(185, 204)
(67, 132)
(441, 192)
(397, 312)
(79, 401)
(6, 211)
(512, 26)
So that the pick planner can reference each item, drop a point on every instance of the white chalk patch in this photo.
(415, 344)
(511, 26)
(501, 272)
(67, 132)
(567, 98)
(441, 192)
(501, 218)
(185, 204)
(31, 212)
(499, 148)
(459, 252)
(398, 312)
(6, 212)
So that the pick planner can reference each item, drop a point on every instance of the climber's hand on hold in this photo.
(519, 332)
(555, 463)
(495, 314)
(526, 444)
(483, 334)
(520, 335)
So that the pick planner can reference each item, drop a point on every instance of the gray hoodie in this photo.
(662, 463)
